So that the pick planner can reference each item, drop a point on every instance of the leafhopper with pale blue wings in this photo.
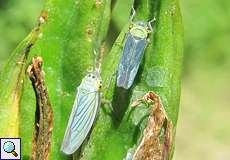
(133, 51)
(84, 112)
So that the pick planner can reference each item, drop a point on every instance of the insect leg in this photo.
(109, 103)
(120, 42)
(110, 80)
(150, 24)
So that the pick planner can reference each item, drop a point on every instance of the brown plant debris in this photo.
(43, 18)
(99, 3)
(152, 147)
(90, 30)
(44, 114)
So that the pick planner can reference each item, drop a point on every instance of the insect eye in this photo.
(148, 30)
(89, 75)
(93, 76)
(130, 26)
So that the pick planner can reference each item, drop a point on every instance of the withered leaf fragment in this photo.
(151, 146)
(44, 114)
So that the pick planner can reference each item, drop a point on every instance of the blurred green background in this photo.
(203, 130)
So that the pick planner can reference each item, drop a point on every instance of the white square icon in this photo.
(10, 148)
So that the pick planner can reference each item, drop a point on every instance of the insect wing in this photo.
(81, 120)
(132, 55)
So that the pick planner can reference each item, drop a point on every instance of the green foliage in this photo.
(66, 42)
(16, 22)
(160, 72)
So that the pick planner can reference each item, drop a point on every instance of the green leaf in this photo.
(12, 77)
(67, 40)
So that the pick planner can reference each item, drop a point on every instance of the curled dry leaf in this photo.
(44, 114)
(151, 146)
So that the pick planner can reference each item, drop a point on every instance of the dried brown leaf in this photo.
(44, 114)
(151, 147)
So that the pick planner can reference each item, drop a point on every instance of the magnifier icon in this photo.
(9, 147)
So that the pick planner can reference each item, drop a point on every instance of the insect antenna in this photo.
(133, 14)
(98, 60)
